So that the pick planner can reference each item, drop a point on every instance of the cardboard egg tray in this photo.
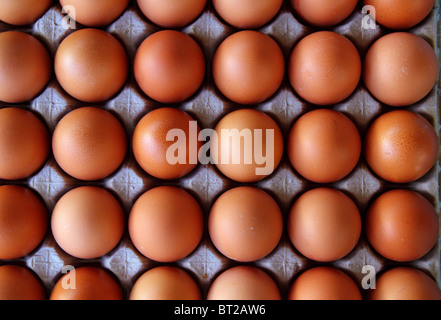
(206, 183)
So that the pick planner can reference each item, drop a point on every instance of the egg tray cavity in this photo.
(206, 183)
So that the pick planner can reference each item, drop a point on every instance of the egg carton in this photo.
(206, 183)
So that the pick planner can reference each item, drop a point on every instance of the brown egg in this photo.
(24, 143)
(91, 65)
(166, 224)
(95, 13)
(330, 218)
(89, 143)
(248, 67)
(247, 145)
(324, 68)
(401, 146)
(405, 283)
(324, 13)
(165, 283)
(400, 69)
(400, 14)
(87, 283)
(20, 283)
(23, 12)
(244, 283)
(23, 221)
(245, 224)
(25, 67)
(324, 283)
(324, 146)
(402, 225)
(247, 14)
(162, 151)
(169, 66)
(172, 13)
(87, 222)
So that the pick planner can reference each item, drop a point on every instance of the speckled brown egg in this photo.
(400, 69)
(20, 283)
(23, 12)
(401, 146)
(25, 67)
(91, 65)
(324, 13)
(324, 68)
(248, 67)
(24, 143)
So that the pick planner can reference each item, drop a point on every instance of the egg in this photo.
(247, 145)
(401, 146)
(87, 283)
(400, 69)
(324, 283)
(23, 12)
(87, 222)
(402, 225)
(330, 218)
(244, 283)
(23, 221)
(169, 66)
(324, 68)
(95, 13)
(323, 13)
(25, 67)
(160, 149)
(404, 283)
(165, 283)
(324, 145)
(247, 14)
(245, 224)
(89, 143)
(91, 65)
(400, 14)
(248, 67)
(20, 283)
(172, 13)
(24, 143)
(166, 224)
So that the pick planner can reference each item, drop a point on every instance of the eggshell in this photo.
(169, 66)
(165, 283)
(23, 221)
(172, 13)
(401, 146)
(245, 224)
(24, 143)
(248, 67)
(87, 222)
(25, 67)
(323, 13)
(243, 283)
(324, 145)
(330, 218)
(23, 12)
(155, 144)
(166, 224)
(259, 151)
(400, 14)
(404, 283)
(324, 283)
(20, 283)
(400, 69)
(95, 13)
(89, 143)
(87, 283)
(247, 14)
(402, 225)
(91, 65)
(324, 68)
